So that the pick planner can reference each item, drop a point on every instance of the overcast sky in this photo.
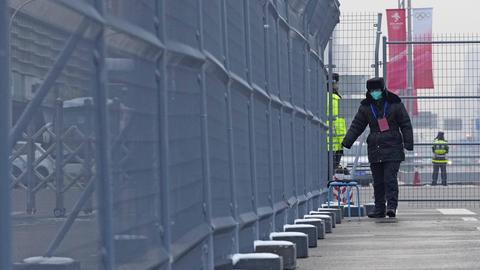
(449, 16)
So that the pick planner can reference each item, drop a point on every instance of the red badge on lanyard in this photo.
(382, 122)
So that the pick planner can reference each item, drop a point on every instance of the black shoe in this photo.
(377, 213)
(433, 184)
(392, 212)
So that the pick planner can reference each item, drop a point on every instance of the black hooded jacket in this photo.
(387, 145)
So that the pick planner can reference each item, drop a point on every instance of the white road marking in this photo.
(469, 219)
(458, 211)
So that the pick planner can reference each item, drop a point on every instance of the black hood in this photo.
(387, 95)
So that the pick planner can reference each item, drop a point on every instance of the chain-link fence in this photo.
(160, 134)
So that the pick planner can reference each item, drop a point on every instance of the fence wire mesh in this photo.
(450, 107)
(163, 134)
(355, 40)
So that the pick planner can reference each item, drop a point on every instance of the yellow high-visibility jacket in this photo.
(440, 150)
(339, 127)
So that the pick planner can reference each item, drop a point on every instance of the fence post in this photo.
(269, 113)
(31, 183)
(231, 150)
(163, 147)
(89, 158)
(102, 149)
(384, 43)
(330, 110)
(5, 146)
(207, 200)
(251, 118)
(377, 45)
(59, 210)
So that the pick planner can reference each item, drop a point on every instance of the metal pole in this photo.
(377, 45)
(5, 149)
(251, 117)
(102, 149)
(163, 146)
(207, 200)
(59, 210)
(270, 119)
(330, 109)
(384, 44)
(409, 56)
(30, 196)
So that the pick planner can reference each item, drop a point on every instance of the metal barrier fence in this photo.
(356, 58)
(184, 129)
(452, 107)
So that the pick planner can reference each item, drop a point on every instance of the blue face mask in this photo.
(376, 94)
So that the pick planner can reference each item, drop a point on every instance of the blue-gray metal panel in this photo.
(185, 150)
(218, 143)
(236, 37)
(241, 142)
(258, 43)
(182, 21)
(284, 62)
(261, 151)
(273, 52)
(212, 28)
(298, 70)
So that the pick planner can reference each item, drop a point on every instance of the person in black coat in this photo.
(390, 132)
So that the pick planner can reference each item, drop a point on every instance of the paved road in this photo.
(421, 239)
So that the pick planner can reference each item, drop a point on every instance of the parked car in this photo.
(362, 173)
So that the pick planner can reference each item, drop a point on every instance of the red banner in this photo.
(422, 53)
(397, 57)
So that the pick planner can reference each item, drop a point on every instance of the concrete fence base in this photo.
(285, 249)
(338, 213)
(331, 214)
(309, 230)
(47, 263)
(298, 238)
(257, 261)
(326, 219)
(317, 223)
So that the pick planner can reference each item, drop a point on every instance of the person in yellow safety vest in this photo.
(440, 150)
(339, 127)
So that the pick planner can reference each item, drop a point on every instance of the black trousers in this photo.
(337, 157)
(385, 184)
(436, 168)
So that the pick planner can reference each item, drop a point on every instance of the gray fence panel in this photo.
(210, 136)
(236, 37)
(182, 19)
(284, 61)
(257, 29)
(212, 28)
(290, 191)
(185, 164)
(273, 50)
(299, 152)
(298, 70)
